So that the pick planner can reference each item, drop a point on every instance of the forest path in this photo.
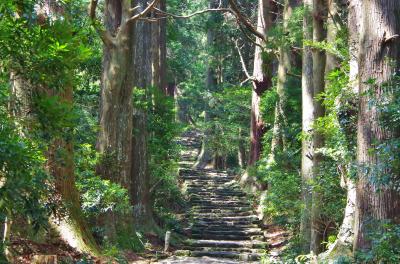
(223, 227)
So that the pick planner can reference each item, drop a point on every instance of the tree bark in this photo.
(262, 72)
(156, 52)
(143, 80)
(241, 150)
(307, 121)
(163, 52)
(319, 63)
(279, 140)
(114, 142)
(378, 60)
(73, 228)
(343, 244)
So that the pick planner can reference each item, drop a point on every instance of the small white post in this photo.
(167, 239)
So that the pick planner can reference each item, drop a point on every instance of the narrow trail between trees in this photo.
(223, 227)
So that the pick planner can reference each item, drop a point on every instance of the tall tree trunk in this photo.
(262, 72)
(285, 65)
(319, 62)
(241, 150)
(163, 53)
(206, 156)
(155, 54)
(307, 121)
(378, 60)
(332, 61)
(343, 244)
(143, 80)
(114, 141)
(72, 228)
(345, 236)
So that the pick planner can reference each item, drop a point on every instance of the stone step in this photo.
(205, 232)
(218, 194)
(218, 215)
(232, 218)
(219, 203)
(241, 220)
(239, 250)
(209, 182)
(208, 173)
(205, 173)
(244, 228)
(218, 199)
(204, 178)
(205, 192)
(212, 187)
(227, 243)
(226, 226)
(213, 182)
(216, 222)
(238, 237)
(278, 244)
(281, 234)
(198, 178)
(221, 209)
(227, 254)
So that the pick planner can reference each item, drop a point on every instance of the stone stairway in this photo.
(222, 220)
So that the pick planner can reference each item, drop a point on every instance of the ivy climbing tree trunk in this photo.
(378, 69)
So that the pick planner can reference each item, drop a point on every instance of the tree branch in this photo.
(249, 38)
(105, 36)
(234, 10)
(195, 13)
(245, 20)
(244, 67)
(147, 10)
